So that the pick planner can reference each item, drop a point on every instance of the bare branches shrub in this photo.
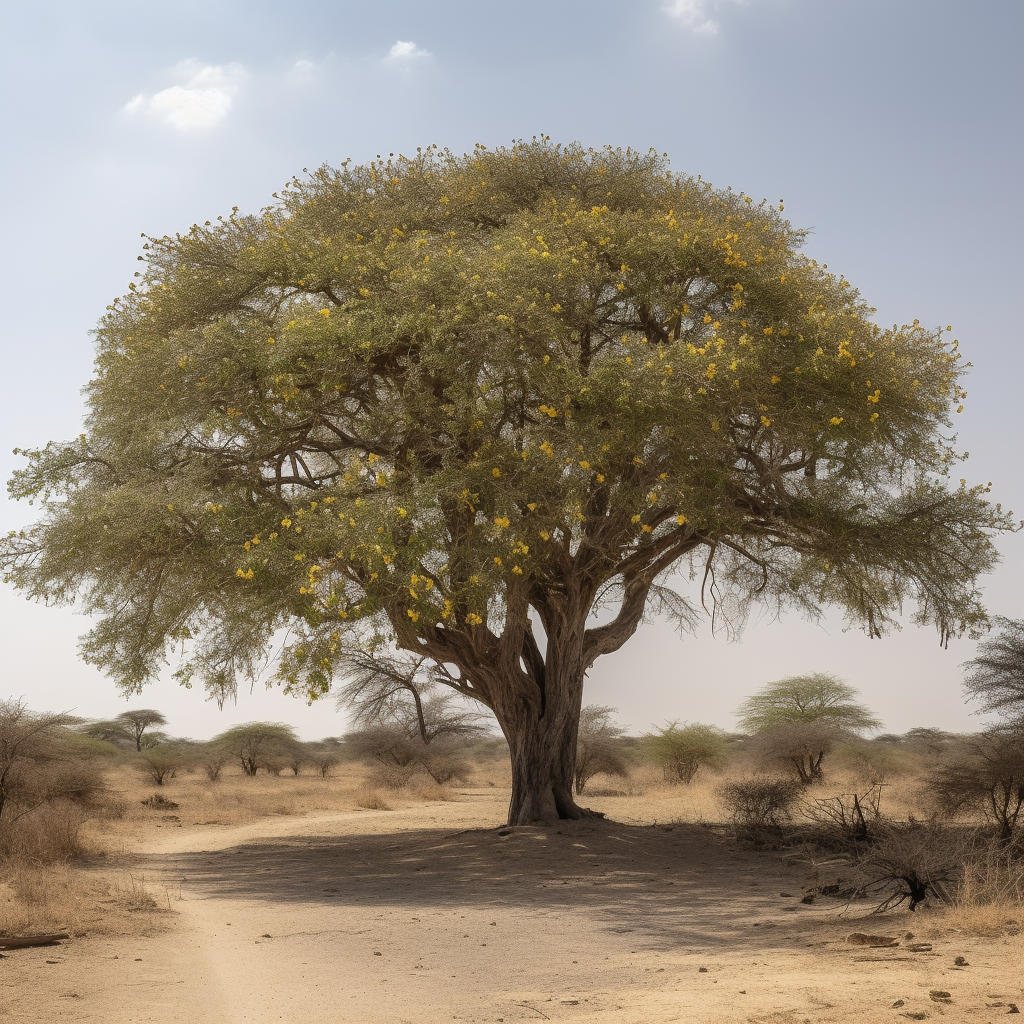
(46, 784)
(986, 776)
(796, 747)
(760, 807)
(445, 762)
(910, 862)
(598, 747)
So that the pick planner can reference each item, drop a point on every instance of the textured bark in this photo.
(542, 735)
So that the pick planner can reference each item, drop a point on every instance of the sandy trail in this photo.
(435, 913)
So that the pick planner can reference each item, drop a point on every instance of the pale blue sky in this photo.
(892, 128)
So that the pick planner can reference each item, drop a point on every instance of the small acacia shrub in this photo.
(760, 807)
(682, 750)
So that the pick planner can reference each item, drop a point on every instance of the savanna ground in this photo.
(307, 899)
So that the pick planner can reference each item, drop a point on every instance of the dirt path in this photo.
(436, 914)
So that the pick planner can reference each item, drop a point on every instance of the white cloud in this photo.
(203, 97)
(405, 50)
(695, 14)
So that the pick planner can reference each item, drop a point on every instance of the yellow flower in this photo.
(710, 371)
(600, 478)
(472, 619)
(836, 420)
(497, 560)
(776, 378)
(547, 449)
(765, 422)
(635, 519)
(874, 416)
(544, 535)
(412, 615)
(516, 571)
(646, 528)
(680, 520)
(170, 508)
(532, 506)
(299, 557)
(286, 523)
(584, 464)
(495, 472)
(273, 535)
(402, 512)
(502, 522)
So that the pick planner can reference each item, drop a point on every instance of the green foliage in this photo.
(995, 677)
(682, 750)
(427, 395)
(256, 745)
(819, 698)
(161, 762)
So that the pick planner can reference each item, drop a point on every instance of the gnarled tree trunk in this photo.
(542, 736)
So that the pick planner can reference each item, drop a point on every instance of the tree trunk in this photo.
(542, 739)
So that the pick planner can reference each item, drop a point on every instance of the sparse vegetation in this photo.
(682, 750)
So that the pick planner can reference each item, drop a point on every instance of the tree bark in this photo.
(542, 736)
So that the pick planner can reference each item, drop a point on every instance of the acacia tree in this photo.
(466, 401)
(799, 719)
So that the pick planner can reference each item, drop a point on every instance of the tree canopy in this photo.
(820, 698)
(451, 400)
(995, 677)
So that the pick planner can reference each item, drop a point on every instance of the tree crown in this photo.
(818, 698)
(423, 396)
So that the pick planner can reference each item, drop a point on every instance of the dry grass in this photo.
(59, 897)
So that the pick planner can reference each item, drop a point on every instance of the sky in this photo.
(891, 128)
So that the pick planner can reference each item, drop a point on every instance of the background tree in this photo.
(797, 721)
(985, 776)
(161, 762)
(257, 745)
(129, 727)
(995, 677)
(40, 766)
(137, 720)
(599, 747)
(464, 403)
(682, 750)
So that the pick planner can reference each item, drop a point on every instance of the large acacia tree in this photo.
(464, 403)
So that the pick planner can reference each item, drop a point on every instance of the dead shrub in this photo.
(914, 861)
(48, 833)
(760, 807)
(986, 776)
(798, 747)
(598, 746)
(847, 819)
(373, 800)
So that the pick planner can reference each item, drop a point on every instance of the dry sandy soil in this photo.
(437, 913)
